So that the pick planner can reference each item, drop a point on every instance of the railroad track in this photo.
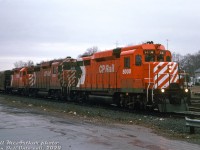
(195, 105)
(194, 109)
(194, 112)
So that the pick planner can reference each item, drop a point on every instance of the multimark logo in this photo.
(106, 68)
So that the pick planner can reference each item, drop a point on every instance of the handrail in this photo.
(149, 84)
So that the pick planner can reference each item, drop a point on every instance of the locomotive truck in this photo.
(136, 77)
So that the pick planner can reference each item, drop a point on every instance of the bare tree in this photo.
(177, 57)
(29, 63)
(89, 51)
(188, 62)
(21, 63)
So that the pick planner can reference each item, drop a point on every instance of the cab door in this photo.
(138, 72)
(54, 82)
(127, 71)
(132, 71)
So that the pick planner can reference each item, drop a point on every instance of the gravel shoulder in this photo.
(172, 128)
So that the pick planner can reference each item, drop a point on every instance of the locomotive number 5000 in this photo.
(126, 71)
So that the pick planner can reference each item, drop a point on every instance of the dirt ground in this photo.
(22, 128)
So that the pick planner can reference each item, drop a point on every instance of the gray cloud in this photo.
(57, 28)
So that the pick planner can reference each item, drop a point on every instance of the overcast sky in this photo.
(46, 29)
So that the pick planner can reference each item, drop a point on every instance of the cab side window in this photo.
(138, 60)
(23, 73)
(126, 62)
(160, 58)
(168, 59)
(54, 70)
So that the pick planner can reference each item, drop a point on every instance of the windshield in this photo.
(149, 58)
(160, 56)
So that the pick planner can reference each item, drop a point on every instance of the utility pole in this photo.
(167, 43)
(116, 43)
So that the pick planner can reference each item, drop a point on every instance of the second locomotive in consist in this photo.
(141, 76)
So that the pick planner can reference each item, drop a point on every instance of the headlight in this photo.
(162, 90)
(186, 90)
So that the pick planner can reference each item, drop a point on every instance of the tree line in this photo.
(189, 62)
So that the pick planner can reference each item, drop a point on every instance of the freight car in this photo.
(137, 77)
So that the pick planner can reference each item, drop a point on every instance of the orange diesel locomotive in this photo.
(138, 76)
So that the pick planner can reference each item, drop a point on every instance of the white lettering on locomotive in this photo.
(126, 71)
(101, 68)
(47, 73)
(106, 68)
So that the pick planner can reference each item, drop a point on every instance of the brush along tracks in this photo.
(99, 103)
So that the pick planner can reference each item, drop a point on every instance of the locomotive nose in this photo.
(164, 74)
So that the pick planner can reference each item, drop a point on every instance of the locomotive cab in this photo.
(152, 79)
(164, 84)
